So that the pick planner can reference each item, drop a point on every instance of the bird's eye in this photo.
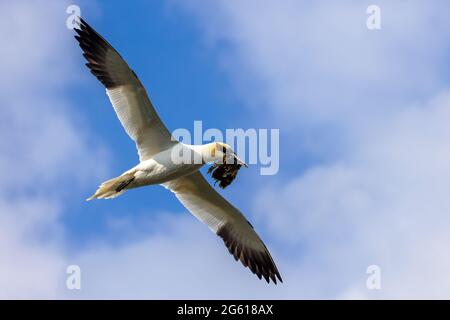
(224, 149)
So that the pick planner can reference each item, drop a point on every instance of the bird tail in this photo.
(113, 188)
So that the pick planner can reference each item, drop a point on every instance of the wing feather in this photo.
(126, 93)
(197, 195)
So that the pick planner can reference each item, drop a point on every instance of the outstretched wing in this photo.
(197, 195)
(126, 93)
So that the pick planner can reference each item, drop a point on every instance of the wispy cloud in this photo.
(44, 156)
(371, 106)
(374, 106)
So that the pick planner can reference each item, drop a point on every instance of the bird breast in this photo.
(162, 168)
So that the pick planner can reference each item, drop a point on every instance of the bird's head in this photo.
(226, 164)
(224, 154)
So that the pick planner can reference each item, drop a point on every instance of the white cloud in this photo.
(382, 201)
(44, 153)
(319, 62)
(374, 106)
(372, 102)
(181, 259)
(385, 205)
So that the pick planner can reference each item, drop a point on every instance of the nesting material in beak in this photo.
(224, 173)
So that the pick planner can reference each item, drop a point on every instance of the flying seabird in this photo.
(157, 149)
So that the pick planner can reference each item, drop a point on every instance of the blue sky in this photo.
(169, 58)
(186, 84)
(364, 148)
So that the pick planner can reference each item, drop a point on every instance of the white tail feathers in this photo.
(113, 188)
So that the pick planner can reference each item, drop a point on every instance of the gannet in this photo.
(156, 149)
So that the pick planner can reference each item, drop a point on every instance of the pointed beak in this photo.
(239, 161)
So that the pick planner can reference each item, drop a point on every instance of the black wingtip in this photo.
(259, 262)
(95, 50)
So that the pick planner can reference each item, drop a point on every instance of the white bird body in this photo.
(159, 169)
(175, 165)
